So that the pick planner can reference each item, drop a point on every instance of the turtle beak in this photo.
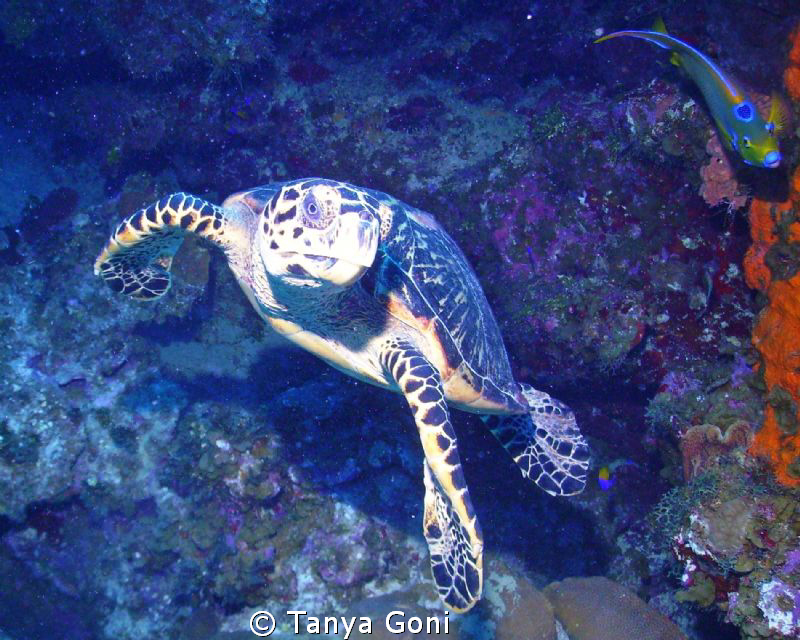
(355, 245)
(338, 255)
(361, 233)
(354, 239)
(351, 246)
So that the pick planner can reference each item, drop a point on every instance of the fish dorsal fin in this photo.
(660, 27)
(778, 117)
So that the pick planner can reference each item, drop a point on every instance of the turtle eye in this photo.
(770, 127)
(746, 141)
(315, 214)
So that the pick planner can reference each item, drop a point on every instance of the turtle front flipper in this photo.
(137, 257)
(450, 525)
(545, 443)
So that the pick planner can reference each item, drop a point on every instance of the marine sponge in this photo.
(791, 77)
(777, 338)
(704, 444)
(600, 609)
(773, 266)
(763, 216)
(720, 185)
(780, 604)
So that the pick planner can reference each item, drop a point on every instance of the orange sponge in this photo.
(777, 336)
(777, 331)
(762, 231)
(791, 77)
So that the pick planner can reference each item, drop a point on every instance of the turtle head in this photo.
(312, 235)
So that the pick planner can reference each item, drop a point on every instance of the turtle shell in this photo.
(423, 278)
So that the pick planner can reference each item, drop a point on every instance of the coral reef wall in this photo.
(167, 469)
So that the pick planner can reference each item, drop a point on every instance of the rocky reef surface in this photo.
(167, 469)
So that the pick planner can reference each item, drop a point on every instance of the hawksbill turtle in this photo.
(377, 289)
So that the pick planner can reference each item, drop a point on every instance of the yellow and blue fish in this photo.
(741, 127)
(604, 478)
(606, 475)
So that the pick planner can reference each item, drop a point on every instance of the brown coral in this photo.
(703, 444)
(725, 526)
(599, 609)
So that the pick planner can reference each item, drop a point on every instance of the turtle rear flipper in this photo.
(137, 258)
(546, 443)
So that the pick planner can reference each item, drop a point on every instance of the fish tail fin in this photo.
(660, 27)
(778, 113)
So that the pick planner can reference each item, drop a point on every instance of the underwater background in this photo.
(168, 469)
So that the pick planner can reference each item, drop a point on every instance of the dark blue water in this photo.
(168, 469)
